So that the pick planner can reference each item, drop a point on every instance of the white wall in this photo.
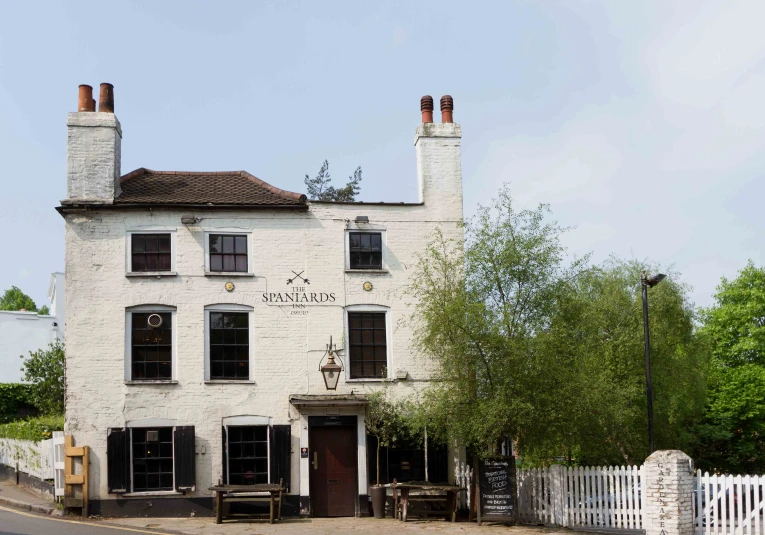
(20, 333)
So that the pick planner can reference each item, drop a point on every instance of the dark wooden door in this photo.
(333, 471)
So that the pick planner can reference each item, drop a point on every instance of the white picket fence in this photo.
(32, 458)
(463, 477)
(729, 505)
(591, 497)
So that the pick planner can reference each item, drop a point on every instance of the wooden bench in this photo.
(227, 494)
(424, 492)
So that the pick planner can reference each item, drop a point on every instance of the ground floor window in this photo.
(406, 462)
(247, 455)
(152, 459)
(257, 454)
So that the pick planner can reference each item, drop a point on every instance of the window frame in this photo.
(150, 423)
(267, 426)
(229, 232)
(143, 309)
(388, 342)
(132, 460)
(129, 252)
(383, 249)
(230, 307)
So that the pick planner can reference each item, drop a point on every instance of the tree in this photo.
(731, 435)
(44, 311)
(15, 299)
(44, 369)
(593, 351)
(383, 422)
(534, 346)
(478, 310)
(319, 188)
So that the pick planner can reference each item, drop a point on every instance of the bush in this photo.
(15, 401)
(44, 368)
(34, 429)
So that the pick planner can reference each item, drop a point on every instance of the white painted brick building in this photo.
(235, 357)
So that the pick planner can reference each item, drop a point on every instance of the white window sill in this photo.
(152, 493)
(156, 274)
(228, 274)
(366, 271)
(152, 382)
(371, 380)
(229, 382)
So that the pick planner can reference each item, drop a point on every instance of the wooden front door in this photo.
(333, 478)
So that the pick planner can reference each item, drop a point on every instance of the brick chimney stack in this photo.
(439, 164)
(94, 145)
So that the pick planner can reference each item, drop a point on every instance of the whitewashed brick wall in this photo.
(287, 348)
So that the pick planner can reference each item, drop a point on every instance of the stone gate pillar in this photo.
(667, 493)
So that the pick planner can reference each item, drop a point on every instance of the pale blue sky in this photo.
(641, 123)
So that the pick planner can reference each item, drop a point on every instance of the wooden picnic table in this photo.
(246, 493)
(402, 497)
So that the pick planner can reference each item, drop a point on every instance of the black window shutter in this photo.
(118, 459)
(281, 446)
(183, 457)
(225, 455)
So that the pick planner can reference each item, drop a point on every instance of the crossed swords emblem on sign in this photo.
(297, 276)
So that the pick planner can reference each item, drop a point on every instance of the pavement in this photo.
(19, 497)
(331, 526)
(23, 512)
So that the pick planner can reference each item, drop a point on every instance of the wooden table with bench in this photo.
(423, 492)
(225, 494)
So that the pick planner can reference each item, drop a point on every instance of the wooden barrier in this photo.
(71, 479)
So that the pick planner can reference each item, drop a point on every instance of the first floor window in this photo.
(151, 345)
(150, 252)
(247, 455)
(365, 250)
(228, 252)
(367, 344)
(229, 345)
(152, 459)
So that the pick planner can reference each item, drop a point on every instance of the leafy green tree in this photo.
(44, 369)
(531, 345)
(593, 350)
(44, 311)
(15, 299)
(731, 435)
(319, 188)
(383, 422)
(478, 310)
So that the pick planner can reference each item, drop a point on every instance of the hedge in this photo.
(35, 429)
(13, 398)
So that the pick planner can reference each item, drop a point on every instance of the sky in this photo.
(641, 124)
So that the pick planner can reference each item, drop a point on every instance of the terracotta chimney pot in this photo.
(447, 106)
(106, 98)
(426, 107)
(85, 100)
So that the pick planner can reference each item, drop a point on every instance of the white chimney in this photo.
(439, 165)
(94, 144)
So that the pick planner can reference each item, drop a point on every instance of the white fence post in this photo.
(58, 462)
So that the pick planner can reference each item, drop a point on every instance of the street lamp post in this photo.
(646, 283)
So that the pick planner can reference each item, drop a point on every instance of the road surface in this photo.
(13, 522)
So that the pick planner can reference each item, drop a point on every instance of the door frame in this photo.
(343, 422)
(322, 406)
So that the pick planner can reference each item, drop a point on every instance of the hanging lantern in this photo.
(331, 370)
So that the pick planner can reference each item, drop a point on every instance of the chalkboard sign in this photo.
(495, 489)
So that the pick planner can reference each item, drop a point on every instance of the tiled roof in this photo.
(144, 186)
